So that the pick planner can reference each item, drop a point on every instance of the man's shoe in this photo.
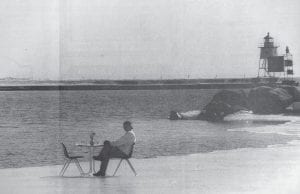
(99, 174)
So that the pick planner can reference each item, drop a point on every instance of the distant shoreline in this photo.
(130, 87)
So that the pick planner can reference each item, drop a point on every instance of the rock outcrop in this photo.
(223, 103)
(216, 111)
(267, 100)
(261, 100)
(237, 99)
(293, 91)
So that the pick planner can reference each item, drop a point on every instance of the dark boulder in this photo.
(293, 91)
(235, 98)
(261, 100)
(267, 100)
(224, 103)
(174, 115)
(216, 111)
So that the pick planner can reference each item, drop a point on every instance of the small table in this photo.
(91, 154)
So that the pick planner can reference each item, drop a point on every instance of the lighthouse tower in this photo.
(288, 64)
(267, 51)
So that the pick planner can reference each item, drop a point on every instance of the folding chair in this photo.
(68, 160)
(127, 160)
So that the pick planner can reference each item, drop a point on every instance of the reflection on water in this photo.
(32, 123)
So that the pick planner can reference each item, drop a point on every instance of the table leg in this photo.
(90, 162)
(91, 159)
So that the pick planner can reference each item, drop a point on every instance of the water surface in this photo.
(33, 123)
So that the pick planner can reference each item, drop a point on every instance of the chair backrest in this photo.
(131, 150)
(66, 154)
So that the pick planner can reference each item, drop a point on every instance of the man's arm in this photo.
(126, 139)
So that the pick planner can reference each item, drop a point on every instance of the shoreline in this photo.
(284, 142)
(247, 170)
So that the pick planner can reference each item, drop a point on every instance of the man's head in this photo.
(127, 126)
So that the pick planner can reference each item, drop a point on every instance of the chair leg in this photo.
(67, 163)
(131, 167)
(118, 167)
(62, 169)
(79, 167)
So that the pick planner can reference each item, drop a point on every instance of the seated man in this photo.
(116, 149)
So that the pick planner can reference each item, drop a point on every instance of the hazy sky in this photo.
(125, 39)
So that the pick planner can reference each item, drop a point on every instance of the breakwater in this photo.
(130, 86)
(168, 84)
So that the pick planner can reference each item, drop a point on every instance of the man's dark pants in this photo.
(108, 151)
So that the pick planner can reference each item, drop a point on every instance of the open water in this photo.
(33, 123)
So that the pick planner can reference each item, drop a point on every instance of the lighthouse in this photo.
(267, 50)
(271, 64)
